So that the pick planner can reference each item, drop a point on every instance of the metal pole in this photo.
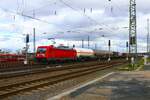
(88, 42)
(82, 43)
(109, 46)
(127, 52)
(68, 44)
(26, 61)
(148, 37)
(34, 45)
(95, 46)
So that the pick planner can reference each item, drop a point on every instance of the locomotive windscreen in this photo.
(41, 50)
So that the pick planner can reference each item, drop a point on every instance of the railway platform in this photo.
(113, 86)
(147, 67)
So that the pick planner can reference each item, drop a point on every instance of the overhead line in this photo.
(27, 16)
(91, 19)
(40, 7)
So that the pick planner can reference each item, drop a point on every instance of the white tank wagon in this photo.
(102, 53)
(84, 53)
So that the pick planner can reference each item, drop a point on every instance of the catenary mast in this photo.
(132, 30)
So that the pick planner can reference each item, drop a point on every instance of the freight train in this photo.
(64, 53)
(6, 58)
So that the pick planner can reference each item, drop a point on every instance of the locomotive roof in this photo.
(64, 47)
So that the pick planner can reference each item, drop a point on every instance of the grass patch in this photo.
(132, 67)
(148, 59)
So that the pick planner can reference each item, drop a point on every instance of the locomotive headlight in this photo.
(43, 54)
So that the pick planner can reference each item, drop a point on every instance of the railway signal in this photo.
(73, 46)
(127, 46)
(27, 38)
(27, 46)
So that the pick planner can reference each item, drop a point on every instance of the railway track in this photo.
(17, 66)
(11, 67)
(64, 74)
(43, 68)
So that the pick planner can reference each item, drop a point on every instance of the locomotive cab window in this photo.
(41, 50)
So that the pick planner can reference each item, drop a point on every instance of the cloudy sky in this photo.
(70, 21)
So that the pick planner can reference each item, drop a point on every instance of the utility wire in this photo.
(91, 19)
(116, 5)
(30, 17)
(38, 9)
(21, 14)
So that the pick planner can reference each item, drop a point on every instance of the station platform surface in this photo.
(147, 67)
(114, 86)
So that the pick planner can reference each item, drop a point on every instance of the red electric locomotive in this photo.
(51, 53)
(63, 53)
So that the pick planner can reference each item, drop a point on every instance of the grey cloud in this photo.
(74, 25)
